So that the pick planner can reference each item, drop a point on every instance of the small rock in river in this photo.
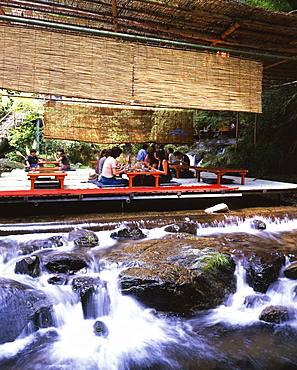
(221, 207)
(100, 329)
(258, 225)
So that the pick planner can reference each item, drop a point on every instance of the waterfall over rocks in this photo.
(181, 296)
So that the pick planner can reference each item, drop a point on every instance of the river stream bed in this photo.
(115, 298)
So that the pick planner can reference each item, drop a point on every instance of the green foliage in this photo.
(214, 262)
(277, 5)
(22, 137)
(211, 119)
(78, 152)
(5, 106)
(276, 146)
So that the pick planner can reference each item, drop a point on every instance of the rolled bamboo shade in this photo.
(43, 61)
(109, 125)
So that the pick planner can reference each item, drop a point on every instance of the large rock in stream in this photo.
(263, 269)
(83, 238)
(20, 305)
(276, 314)
(176, 275)
(63, 262)
(29, 266)
(86, 287)
(182, 227)
(133, 233)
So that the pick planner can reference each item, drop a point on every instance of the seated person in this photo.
(150, 159)
(31, 161)
(171, 156)
(63, 160)
(109, 170)
(183, 160)
(99, 166)
(163, 166)
(142, 153)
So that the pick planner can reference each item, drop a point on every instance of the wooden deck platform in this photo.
(15, 187)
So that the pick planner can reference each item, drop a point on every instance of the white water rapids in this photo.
(138, 338)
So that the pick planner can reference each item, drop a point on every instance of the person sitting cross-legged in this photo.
(163, 166)
(110, 171)
(31, 161)
(63, 160)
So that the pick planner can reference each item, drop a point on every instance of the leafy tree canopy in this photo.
(278, 5)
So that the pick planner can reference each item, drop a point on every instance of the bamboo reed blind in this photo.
(43, 61)
(106, 125)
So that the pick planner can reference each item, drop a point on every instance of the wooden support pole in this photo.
(114, 8)
(255, 129)
(2, 11)
(237, 129)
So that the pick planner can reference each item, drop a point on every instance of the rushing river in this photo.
(230, 336)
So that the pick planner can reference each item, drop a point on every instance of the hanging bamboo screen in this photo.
(43, 61)
(97, 124)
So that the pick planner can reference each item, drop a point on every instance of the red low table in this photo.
(60, 176)
(133, 174)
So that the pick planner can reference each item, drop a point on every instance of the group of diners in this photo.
(149, 158)
(33, 162)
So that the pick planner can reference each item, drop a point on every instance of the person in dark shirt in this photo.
(184, 160)
(63, 160)
(163, 166)
(31, 160)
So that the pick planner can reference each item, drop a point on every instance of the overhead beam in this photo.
(139, 38)
(151, 28)
(275, 64)
(231, 29)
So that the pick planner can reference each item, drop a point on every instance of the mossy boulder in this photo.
(176, 275)
(83, 238)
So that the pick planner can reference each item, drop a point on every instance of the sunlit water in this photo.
(230, 336)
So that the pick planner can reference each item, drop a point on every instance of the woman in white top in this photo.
(100, 162)
(109, 170)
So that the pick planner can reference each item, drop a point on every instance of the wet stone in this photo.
(183, 227)
(263, 269)
(291, 271)
(66, 263)
(100, 329)
(28, 266)
(83, 238)
(275, 314)
(35, 245)
(58, 280)
(258, 225)
(85, 287)
(133, 233)
(256, 300)
(20, 306)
